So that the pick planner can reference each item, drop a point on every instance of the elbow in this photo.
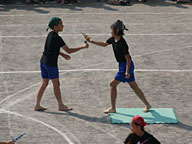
(69, 51)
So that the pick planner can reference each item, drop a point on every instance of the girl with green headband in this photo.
(48, 63)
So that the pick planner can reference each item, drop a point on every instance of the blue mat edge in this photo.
(176, 121)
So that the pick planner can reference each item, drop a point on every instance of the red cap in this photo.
(139, 120)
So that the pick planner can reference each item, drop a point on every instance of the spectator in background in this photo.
(139, 135)
(29, 1)
(120, 2)
(4, 1)
(182, 1)
(68, 1)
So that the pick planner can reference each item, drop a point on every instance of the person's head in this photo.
(137, 124)
(55, 24)
(117, 28)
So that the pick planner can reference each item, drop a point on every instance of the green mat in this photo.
(155, 115)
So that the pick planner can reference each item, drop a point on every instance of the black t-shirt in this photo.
(51, 50)
(120, 48)
(145, 139)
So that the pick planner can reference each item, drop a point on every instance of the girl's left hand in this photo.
(67, 57)
(127, 75)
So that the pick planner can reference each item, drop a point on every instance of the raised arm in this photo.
(104, 44)
(72, 50)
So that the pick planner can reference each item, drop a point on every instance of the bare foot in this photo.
(39, 108)
(65, 108)
(109, 110)
(147, 107)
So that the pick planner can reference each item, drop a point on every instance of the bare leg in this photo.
(62, 2)
(140, 94)
(40, 94)
(57, 92)
(36, 1)
(113, 94)
(27, 1)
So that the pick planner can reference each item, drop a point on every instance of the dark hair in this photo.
(120, 33)
(54, 21)
(119, 25)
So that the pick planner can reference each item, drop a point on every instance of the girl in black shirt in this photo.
(48, 63)
(126, 65)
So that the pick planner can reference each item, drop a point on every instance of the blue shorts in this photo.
(120, 76)
(49, 72)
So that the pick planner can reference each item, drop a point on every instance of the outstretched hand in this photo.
(87, 37)
(86, 45)
(10, 142)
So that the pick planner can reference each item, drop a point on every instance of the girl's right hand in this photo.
(10, 142)
(86, 45)
(87, 37)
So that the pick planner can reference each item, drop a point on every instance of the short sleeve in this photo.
(110, 40)
(125, 48)
(61, 42)
(127, 139)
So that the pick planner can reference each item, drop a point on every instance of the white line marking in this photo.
(96, 13)
(23, 90)
(41, 122)
(63, 35)
(79, 23)
(80, 69)
(83, 68)
(96, 70)
(18, 100)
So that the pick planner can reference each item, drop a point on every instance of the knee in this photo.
(56, 84)
(112, 85)
(45, 84)
(133, 86)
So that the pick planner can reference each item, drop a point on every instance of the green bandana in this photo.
(54, 21)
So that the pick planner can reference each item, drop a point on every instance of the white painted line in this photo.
(19, 72)
(96, 70)
(163, 70)
(104, 24)
(83, 68)
(95, 13)
(23, 90)
(63, 35)
(17, 100)
(41, 122)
